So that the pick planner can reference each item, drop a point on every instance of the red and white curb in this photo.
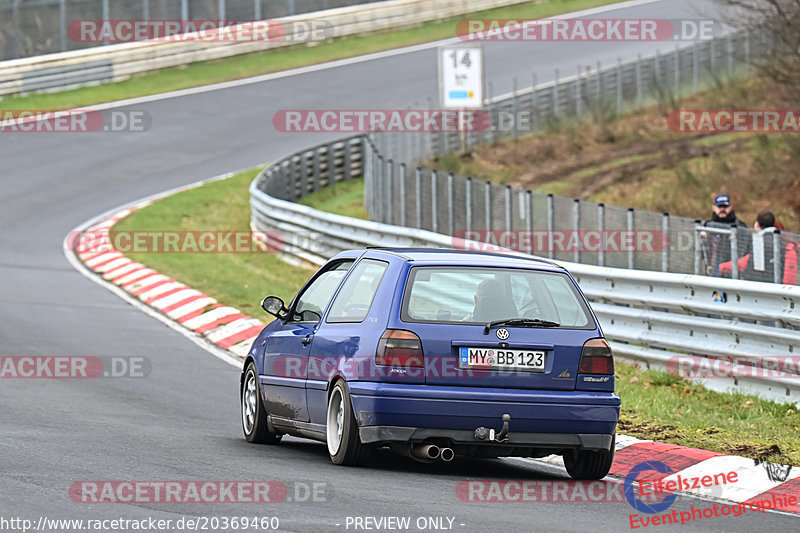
(756, 481)
(222, 330)
(190, 311)
(223, 326)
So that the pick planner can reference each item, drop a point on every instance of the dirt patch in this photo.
(637, 161)
(664, 155)
(598, 157)
(755, 451)
(630, 425)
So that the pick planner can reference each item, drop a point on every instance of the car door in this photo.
(287, 348)
(353, 323)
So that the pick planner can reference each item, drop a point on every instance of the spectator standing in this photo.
(718, 248)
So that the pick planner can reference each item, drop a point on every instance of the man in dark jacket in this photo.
(717, 246)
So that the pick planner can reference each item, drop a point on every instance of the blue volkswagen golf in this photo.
(435, 353)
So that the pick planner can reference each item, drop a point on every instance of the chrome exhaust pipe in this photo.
(425, 453)
(446, 454)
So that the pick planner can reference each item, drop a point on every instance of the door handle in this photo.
(306, 339)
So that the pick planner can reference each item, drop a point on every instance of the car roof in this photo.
(449, 256)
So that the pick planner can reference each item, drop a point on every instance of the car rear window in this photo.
(478, 295)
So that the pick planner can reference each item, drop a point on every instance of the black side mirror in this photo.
(274, 306)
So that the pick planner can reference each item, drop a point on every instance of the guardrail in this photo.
(116, 62)
(650, 317)
(399, 190)
(653, 318)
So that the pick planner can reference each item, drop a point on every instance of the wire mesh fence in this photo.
(398, 191)
(568, 229)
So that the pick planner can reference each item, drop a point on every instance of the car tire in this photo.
(254, 416)
(584, 464)
(341, 430)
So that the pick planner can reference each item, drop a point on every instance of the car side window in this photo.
(311, 303)
(355, 298)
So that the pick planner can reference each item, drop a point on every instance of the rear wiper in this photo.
(521, 322)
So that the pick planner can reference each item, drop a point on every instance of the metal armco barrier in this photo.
(116, 62)
(399, 190)
(649, 317)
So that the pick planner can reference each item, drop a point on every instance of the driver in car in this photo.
(491, 303)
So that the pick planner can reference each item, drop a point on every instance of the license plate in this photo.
(501, 359)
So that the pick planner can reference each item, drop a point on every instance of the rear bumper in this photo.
(402, 412)
(580, 441)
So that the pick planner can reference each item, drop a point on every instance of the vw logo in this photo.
(502, 334)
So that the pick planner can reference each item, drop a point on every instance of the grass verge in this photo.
(661, 407)
(655, 405)
(346, 198)
(247, 65)
(237, 279)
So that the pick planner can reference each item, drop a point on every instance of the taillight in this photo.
(596, 358)
(399, 348)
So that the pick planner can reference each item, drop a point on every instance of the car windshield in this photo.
(479, 295)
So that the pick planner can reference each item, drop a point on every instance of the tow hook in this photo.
(483, 433)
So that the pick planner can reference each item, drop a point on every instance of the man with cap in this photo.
(718, 246)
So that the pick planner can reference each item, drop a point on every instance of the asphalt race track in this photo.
(182, 422)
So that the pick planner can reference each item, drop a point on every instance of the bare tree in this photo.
(780, 20)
